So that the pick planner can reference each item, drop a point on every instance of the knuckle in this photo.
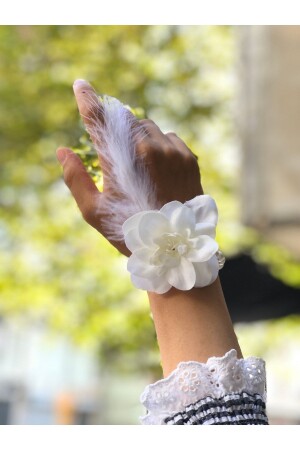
(171, 151)
(142, 146)
(190, 158)
(147, 122)
(171, 134)
(149, 147)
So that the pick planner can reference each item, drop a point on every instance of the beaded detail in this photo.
(192, 381)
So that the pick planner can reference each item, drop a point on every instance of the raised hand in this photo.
(172, 167)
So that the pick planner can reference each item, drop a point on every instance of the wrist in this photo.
(192, 325)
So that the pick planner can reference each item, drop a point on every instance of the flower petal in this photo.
(204, 248)
(138, 263)
(169, 208)
(207, 229)
(152, 225)
(183, 276)
(205, 209)
(158, 285)
(206, 272)
(183, 219)
(132, 222)
(132, 240)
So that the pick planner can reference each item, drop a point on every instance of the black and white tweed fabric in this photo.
(232, 409)
(223, 391)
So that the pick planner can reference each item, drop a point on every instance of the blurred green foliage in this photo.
(53, 267)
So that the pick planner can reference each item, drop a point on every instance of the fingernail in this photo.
(61, 154)
(78, 82)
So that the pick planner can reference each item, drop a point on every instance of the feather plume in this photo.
(115, 133)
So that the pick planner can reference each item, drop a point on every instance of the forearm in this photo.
(192, 325)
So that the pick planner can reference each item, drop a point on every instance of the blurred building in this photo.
(269, 126)
(269, 119)
(45, 380)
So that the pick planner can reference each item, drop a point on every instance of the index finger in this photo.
(91, 113)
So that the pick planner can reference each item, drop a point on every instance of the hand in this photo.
(172, 166)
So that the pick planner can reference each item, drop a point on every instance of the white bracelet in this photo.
(174, 246)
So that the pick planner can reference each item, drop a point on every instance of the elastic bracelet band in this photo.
(174, 246)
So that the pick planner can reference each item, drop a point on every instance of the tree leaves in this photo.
(52, 265)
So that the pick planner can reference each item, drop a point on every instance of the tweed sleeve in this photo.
(224, 391)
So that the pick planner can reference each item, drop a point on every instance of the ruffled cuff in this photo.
(193, 381)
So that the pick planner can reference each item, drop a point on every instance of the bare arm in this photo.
(192, 325)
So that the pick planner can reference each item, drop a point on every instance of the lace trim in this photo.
(192, 381)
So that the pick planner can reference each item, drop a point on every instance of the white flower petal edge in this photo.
(173, 246)
(205, 209)
(207, 272)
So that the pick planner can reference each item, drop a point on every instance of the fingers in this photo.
(80, 183)
(179, 144)
(89, 107)
(152, 139)
(152, 130)
(157, 138)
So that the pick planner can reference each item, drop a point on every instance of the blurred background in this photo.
(77, 343)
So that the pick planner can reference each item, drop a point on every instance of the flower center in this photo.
(171, 246)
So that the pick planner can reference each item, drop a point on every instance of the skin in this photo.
(190, 325)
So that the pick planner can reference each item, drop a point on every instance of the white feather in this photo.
(115, 135)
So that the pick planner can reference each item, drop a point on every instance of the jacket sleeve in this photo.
(223, 391)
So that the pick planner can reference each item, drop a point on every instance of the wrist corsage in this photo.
(174, 246)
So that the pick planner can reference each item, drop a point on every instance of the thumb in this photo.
(80, 183)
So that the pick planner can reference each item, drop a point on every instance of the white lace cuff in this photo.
(192, 381)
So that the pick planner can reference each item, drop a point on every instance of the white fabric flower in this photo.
(174, 246)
